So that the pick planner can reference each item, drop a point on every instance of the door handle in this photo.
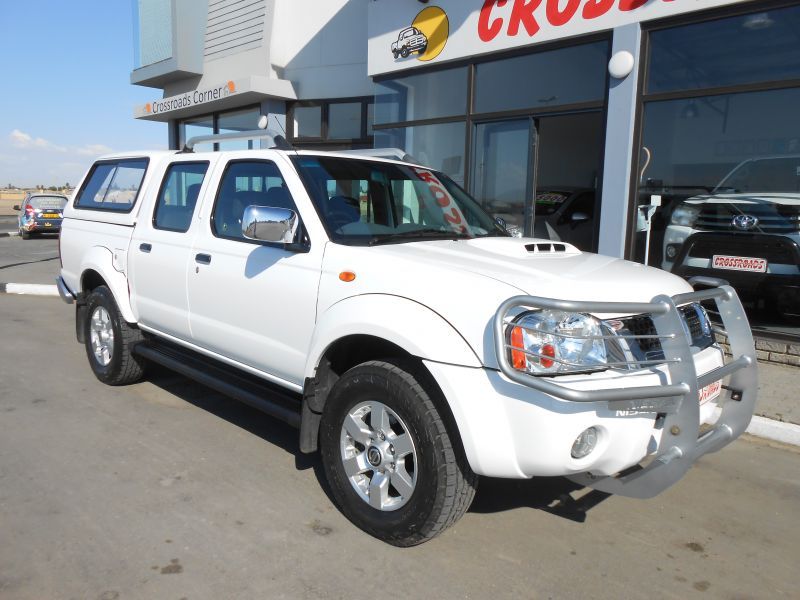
(203, 259)
(145, 247)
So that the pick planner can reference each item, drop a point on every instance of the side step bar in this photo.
(240, 386)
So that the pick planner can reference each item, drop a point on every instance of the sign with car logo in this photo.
(745, 222)
(426, 37)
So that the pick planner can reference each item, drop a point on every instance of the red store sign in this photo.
(402, 37)
(511, 17)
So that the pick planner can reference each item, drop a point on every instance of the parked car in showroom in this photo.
(569, 211)
(40, 213)
(746, 231)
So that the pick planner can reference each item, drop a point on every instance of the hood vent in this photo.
(545, 247)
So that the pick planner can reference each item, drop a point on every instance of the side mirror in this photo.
(512, 230)
(579, 217)
(269, 224)
(15, 207)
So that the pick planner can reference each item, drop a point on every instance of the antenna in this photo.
(281, 143)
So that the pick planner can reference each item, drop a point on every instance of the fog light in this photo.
(585, 443)
(672, 250)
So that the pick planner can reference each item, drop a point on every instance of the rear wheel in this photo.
(405, 52)
(393, 469)
(109, 340)
(25, 235)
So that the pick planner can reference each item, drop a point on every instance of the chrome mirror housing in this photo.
(270, 224)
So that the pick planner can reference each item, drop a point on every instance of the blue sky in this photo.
(65, 92)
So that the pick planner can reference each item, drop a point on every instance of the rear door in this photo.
(253, 302)
(159, 255)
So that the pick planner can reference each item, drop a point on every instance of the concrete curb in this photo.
(8, 233)
(32, 289)
(777, 431)
(762, 427)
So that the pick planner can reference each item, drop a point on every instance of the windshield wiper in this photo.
(418, 234)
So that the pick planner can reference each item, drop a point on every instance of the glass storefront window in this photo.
(307, 121)
(726, 169)
(565, 76)
(344, 120)
(426, 96)
(241, 120)
(438, 146)
(195, 127)
(738, 50)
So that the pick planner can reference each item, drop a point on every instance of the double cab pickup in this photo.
(373, 304)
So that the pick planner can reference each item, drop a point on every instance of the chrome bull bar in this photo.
(681, 443)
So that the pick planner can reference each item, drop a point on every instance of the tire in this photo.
(109, 340)
(428, 487)
(25, 235)
(396, 54)
(404, 52)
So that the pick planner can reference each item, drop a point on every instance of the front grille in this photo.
(772, 218)
(650, 348)
(775, 249)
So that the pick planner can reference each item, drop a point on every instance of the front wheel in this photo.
(24, 234)
(405, 52)
(392, 466)
(110, 340)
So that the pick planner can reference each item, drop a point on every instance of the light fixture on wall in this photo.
(621, 64)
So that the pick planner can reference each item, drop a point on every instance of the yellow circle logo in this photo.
(426, 37)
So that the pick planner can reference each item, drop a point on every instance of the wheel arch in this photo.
(97, 268)
(354, 331)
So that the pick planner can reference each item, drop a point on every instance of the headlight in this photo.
(685, 215)
(548, 342)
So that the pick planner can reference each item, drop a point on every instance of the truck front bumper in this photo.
(516, 425)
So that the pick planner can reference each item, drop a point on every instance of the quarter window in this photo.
(247, 183)
(178, 196)
(113, 185)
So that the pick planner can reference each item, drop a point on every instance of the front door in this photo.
(541, 174)
(250, 301)
(502, 172)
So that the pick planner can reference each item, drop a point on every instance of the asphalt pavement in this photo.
(165, 489)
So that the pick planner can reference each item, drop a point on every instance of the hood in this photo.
(465, 281)
(541, 268)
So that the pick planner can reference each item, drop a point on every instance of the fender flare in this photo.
(101, 260)
(412, 326)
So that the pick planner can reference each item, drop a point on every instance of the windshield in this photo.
(771, 175)
(55, 202)
(363, 202)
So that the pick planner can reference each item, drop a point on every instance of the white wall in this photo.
(321, 46)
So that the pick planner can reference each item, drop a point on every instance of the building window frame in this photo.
(365, 139)
(642, 97)
(471, 117)
(214, 116)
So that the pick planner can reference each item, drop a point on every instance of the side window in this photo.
(178, 196)
(247, 183)
(113, 185)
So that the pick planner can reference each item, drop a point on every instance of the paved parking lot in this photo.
(165, 489)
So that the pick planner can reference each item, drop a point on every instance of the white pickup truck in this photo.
(373, 304)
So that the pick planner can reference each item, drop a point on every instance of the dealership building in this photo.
(589, 121)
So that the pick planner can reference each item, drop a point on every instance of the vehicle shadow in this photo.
(554, 495)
